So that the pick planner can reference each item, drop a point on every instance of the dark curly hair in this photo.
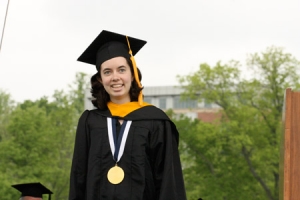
(101, 97)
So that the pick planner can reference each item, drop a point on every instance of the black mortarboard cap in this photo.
(32, 190)
(108, 45)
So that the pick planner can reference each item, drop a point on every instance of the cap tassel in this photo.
(135, 72)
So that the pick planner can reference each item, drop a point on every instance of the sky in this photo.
(43, 38)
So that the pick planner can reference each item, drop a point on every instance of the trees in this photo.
(238, 156)
(39, 142)
(6, 106)
(77, 93)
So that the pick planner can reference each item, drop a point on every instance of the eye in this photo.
(122, 69)
(106, 72)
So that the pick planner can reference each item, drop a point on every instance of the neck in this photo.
(120, 101)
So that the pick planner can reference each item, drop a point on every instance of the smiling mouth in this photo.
(116, 86)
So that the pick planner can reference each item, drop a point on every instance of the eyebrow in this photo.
(108, 68)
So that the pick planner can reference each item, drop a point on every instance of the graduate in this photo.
(126, 149)
(32, 191)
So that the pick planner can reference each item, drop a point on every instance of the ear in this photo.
(99, 79)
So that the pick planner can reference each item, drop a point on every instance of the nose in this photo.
(115, 77)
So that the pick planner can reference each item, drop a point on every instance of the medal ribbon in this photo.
(117, 145)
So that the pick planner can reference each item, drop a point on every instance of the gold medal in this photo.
(115, 175)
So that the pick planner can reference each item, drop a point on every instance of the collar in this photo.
(121, 110)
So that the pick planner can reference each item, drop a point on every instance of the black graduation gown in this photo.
(150, 160)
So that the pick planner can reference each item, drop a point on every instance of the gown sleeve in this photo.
(166, 165)
(79, 162)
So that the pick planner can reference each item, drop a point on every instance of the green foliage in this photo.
(237, 157)
(77, 93)
(6, 106)
(25, 151)
(39, 142)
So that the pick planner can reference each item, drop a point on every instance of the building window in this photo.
(179, 103)
(162, 102)
(207, 104)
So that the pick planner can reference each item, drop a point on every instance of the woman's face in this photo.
(30, 198)
(116, 78)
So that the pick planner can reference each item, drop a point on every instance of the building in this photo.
(168, 97)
